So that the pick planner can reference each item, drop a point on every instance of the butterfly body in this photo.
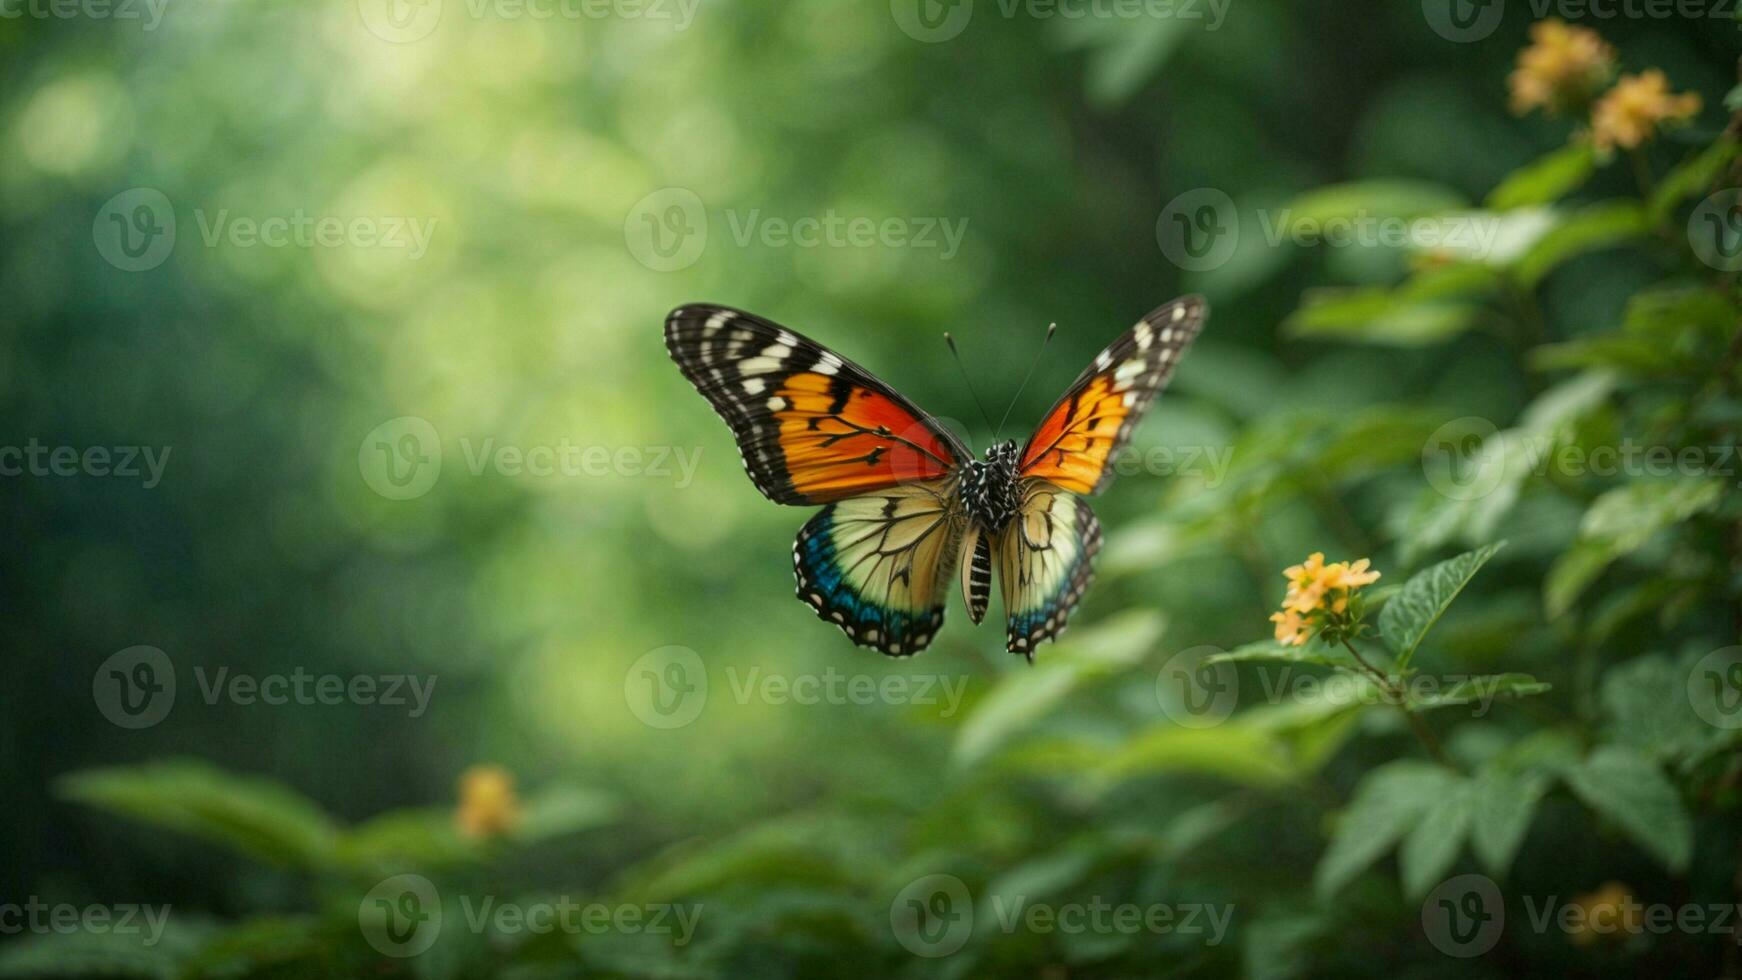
(988, 489)
(905, 506)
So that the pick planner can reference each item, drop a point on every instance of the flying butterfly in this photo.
(906, 507)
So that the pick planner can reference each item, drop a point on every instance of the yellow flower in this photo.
(1609, 913)
(1350, 575)
(1631, 113)
(1306, 586)
(1563, 67)
(488, 805)
(1318, 595)
(1291, 629)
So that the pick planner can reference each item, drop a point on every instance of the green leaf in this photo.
(1619, 523)
(1503, 804)
(1546, 179)
(1386, 805)
(1429, 850)
(1646, 701)
(1629, 789)
(1594, 227)
(1691, 179)
(257, 816)
(1406, 619)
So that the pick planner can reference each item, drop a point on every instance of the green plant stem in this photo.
(1422, 732)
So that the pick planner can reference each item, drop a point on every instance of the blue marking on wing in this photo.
(822, 583)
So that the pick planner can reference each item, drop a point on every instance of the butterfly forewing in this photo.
(1079, 439)
(812, 426)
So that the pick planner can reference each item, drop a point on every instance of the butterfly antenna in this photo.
(965, 379)
(1051, 329)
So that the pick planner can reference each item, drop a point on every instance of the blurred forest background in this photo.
(298, 253)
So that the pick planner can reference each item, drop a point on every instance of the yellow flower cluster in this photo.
(1316, 593)
(488, 805)
(1628, 114)
(1563, 67)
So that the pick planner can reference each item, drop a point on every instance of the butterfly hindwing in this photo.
(878, 565)
(1077, 441)
(1045, 564)
(812, 426)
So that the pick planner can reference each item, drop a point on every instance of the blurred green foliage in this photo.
(1570, 745)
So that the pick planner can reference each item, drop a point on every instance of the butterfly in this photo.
(905, 505)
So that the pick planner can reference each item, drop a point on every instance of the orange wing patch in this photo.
(1072, 446)
(1079, 438)
(839, 439)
